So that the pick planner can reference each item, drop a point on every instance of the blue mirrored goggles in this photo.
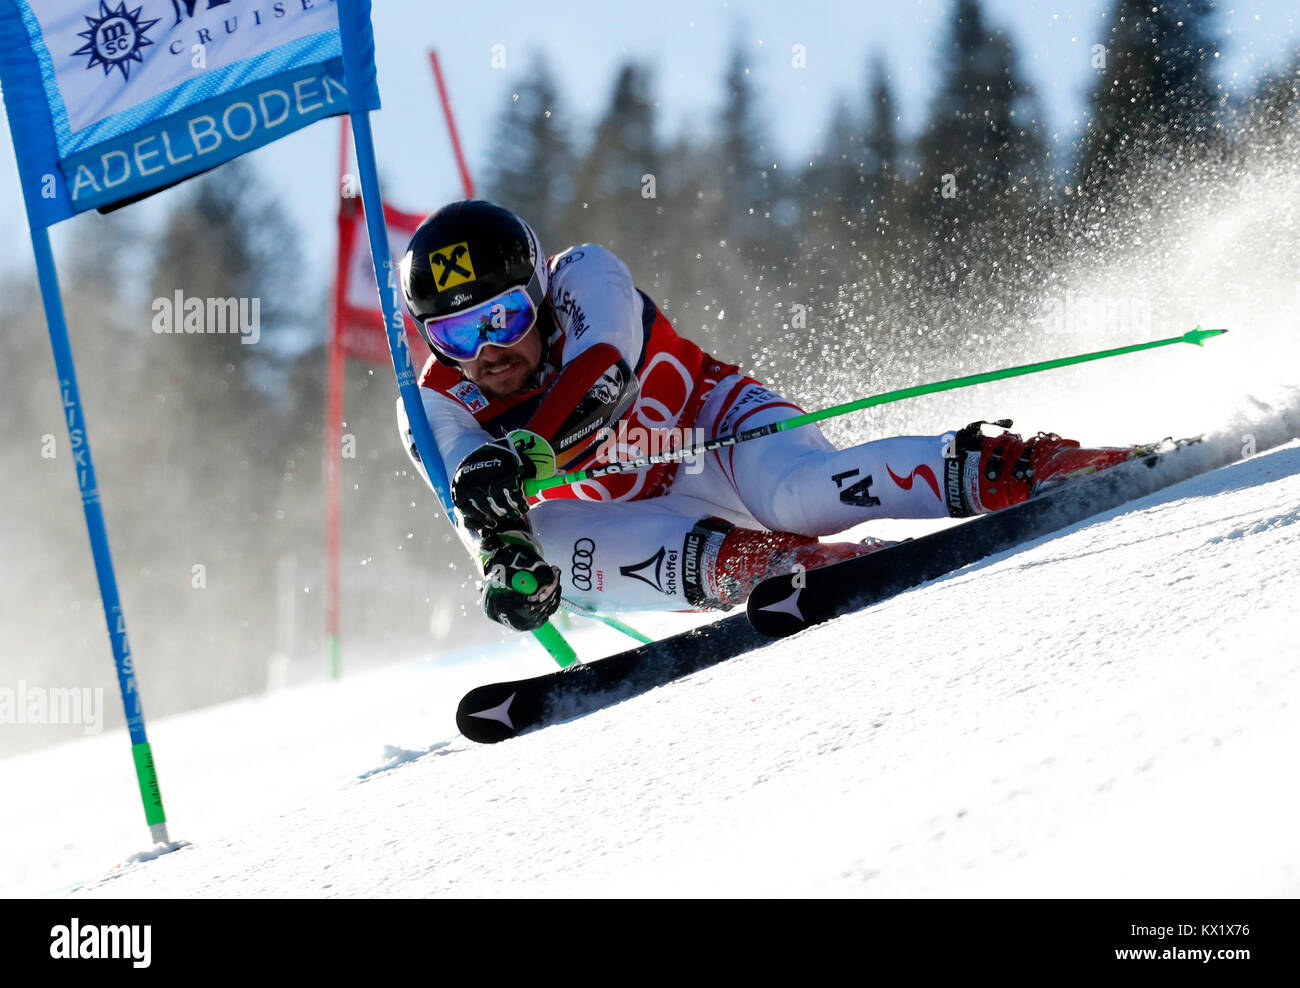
(500, 321)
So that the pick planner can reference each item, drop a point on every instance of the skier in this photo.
(553, 364)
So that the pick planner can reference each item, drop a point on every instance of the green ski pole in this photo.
(532, 487)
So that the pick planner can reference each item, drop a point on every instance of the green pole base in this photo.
(149, 790)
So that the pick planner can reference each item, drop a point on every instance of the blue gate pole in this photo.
(358, 52)
(80, 445)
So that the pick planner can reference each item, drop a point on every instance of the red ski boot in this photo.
(994, 472)
(746, 557)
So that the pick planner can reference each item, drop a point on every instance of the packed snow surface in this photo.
(1108, 712)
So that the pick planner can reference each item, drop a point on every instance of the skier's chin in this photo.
(502, 381)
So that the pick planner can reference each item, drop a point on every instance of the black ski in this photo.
(501, 710)
(784, 605)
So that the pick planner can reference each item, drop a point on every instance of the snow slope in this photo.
(1108, 712)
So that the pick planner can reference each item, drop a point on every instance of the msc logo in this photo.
(114, 38)
(455, 265)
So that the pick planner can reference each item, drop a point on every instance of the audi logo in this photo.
(580, 576)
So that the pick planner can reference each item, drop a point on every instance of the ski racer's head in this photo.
(475, 279)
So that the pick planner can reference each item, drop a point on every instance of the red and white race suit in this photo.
(650, 540)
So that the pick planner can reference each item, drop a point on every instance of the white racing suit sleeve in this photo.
(595, 301)
(454, 430)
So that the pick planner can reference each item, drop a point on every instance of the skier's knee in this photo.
(782, 507)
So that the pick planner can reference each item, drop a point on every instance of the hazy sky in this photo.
(686, 42)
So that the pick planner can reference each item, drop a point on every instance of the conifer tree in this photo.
(531, 168)
(1156, 94)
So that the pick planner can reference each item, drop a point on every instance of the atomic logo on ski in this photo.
(788, 605)
(501, 712)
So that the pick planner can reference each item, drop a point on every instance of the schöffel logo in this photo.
(580, 575)
(114, 38)
(566, 303)
(662, 567)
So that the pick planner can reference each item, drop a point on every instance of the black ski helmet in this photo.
(467, 253)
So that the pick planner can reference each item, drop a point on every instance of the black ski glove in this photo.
(487, 489)
(521, 590)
